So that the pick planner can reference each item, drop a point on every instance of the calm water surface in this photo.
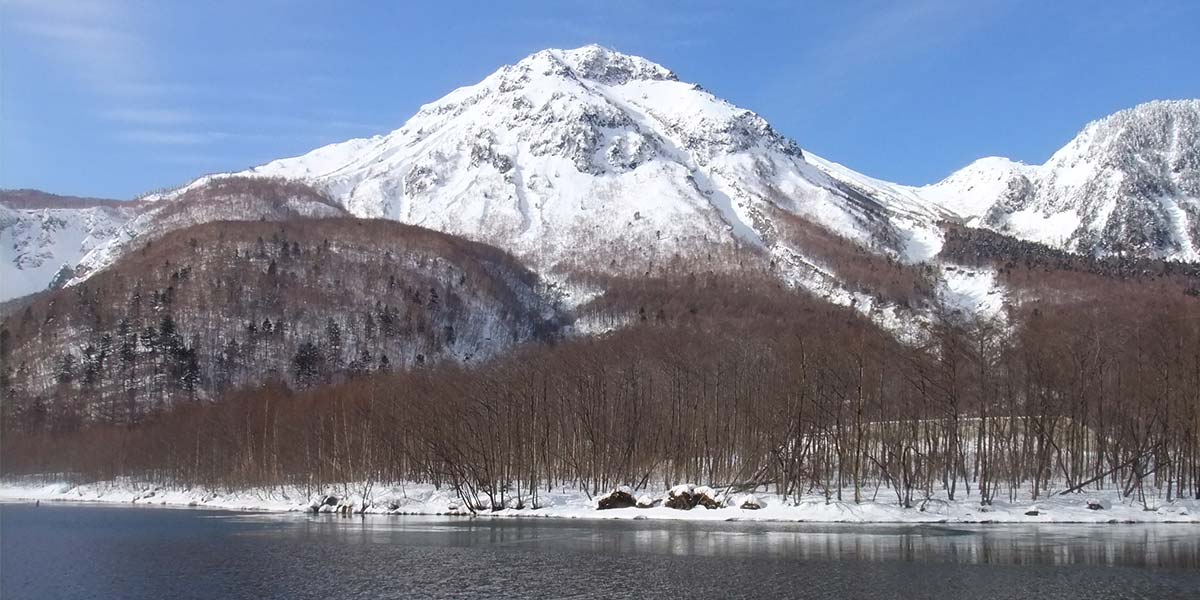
(70, 552)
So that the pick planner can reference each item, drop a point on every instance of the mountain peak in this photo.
(575, 153)
(1127, 183)
(595, 63)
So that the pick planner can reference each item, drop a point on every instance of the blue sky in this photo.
(117, 97)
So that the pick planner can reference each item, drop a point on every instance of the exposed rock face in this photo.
(572, 154)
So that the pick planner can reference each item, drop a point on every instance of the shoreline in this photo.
(424, 500)
(531, 514)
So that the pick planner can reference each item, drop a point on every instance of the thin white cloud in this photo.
(93, 40)
(165, 137)
(170, 138)
(148, 116)
(895, 31)
(96, 36)
(159, 89)
(110, 51)
(191, 159)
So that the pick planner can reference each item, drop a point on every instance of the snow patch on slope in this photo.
(974, 292)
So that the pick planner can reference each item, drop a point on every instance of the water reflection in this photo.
(77, 553)
(1156, 546)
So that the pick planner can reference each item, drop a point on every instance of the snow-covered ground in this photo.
(424, 499)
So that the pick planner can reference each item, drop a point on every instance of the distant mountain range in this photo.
(593, 161)
(1127, 184)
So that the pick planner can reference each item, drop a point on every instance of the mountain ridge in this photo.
(570, 155)
(695, 134)
(1126, 183)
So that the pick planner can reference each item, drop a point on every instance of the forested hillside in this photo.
(229, 199)
(245, 333)
(210, 308)
(26, 199)
(1046, 274)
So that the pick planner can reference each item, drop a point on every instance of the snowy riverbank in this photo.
(423, 499)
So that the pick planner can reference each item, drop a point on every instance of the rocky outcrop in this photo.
(687, 496)
(621, 497)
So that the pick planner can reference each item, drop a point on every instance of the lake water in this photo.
(70, 551)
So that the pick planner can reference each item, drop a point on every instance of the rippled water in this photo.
(69, 552)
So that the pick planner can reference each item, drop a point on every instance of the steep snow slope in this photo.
(40, 246)
(1129, 183)
(571, 155)
(910, 211)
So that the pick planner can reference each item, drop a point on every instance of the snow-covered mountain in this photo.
(573, 154)
(1129, 182)
(593, 160)
(43, 237)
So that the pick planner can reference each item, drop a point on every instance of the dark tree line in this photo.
(979, 247)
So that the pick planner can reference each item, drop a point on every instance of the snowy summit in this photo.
(570, 155)
(572, 152)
